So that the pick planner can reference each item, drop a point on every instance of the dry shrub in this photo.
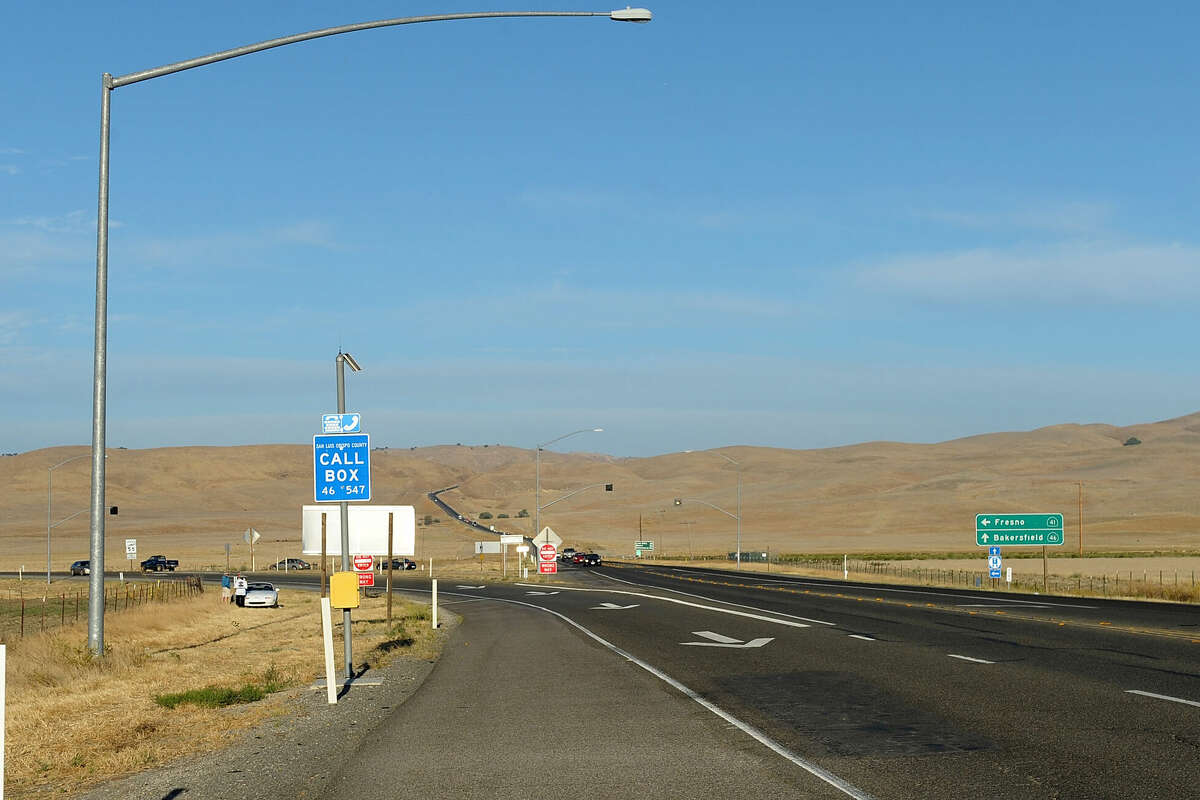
(74, 720)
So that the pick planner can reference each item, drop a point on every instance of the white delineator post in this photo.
(434, 604)
(327, 637)
(3, 719)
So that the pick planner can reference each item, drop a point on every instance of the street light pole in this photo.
(537, 480)
(100, 346)
(342, 360)
(738, 516)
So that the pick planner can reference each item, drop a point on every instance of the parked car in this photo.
(291, 563)
(159, 564)
(83, 567)
(397, 563)
(261, 595)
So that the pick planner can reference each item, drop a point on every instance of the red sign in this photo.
(364, 564)
(548, 568)
(366, 579)
(547, 552)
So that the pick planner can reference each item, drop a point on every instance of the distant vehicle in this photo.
(398, 563)
(83, 567)
(291, 563)
(261, 595)
(591, 559)
(566, 554)
(577, 558)
(160, 564)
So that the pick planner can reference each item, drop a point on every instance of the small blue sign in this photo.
(994, 562)
(993, 551)
(993, 573)
(341, 467)
(341, 423)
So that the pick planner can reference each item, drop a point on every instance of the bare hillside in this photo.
(190, 501)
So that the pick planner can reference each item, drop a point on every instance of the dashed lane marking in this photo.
(1163, 697)
(972, 660)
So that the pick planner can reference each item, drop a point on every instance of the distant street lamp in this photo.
(537, 484)
(100, 347)
(737, 516)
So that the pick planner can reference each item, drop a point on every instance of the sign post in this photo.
(131, 551)
(365, 567)
(547, 560)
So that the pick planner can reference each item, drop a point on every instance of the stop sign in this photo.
(364, 563)
(547, 552)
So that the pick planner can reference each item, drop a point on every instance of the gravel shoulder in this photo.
(295, 754)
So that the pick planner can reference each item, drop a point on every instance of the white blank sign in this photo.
(368, 530)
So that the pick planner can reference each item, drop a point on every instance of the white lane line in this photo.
(1163, 697)
(974, 660)
(997, 605)
(711, 600)
(787, 622)
(864, 638)
(746, 728)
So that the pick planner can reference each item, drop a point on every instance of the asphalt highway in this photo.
(674, 682)
(887, 692)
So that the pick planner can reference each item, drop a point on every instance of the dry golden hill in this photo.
(188, 502)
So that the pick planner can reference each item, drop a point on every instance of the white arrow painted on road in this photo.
(726, 641)
(613, 607)
(470, 587)
(541, 593)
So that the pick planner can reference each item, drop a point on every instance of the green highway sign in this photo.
(643, 545)
(1018, 530)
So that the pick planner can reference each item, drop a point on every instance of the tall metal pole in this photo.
(739, 518)
(1080, 517)
(537, 491)
(49, 494)
(344, 508)
(99, 389)
(99, 419)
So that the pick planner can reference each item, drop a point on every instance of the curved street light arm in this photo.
(572, 494)
(705, 503)
(225, 55)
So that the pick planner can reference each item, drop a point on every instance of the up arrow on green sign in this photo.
(1018, 530)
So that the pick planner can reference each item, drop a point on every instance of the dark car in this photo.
(83, 567)
(591, 559)
(398, 563)
(291, 563)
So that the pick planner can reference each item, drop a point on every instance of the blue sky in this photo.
(796, 225)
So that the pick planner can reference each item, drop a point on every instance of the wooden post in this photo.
(324, 560)
(1081, 518)
(1045, 572)
(389, 575)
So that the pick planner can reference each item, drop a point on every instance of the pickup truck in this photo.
(159, 564)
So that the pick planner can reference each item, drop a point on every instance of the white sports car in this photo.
(264, 595)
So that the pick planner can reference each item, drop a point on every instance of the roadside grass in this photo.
(177, 678)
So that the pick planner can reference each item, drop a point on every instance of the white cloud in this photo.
(1065, 274)
(12, 323)
(1064, 218)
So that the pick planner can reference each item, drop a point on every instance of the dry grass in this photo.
(74, 720)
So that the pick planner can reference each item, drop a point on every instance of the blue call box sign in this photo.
(341, 423)
(341, 467)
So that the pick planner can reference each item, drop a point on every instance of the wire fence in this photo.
(1162, 584)
(22, 614)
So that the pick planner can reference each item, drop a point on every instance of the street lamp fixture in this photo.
(537, 481)
(100, 350)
